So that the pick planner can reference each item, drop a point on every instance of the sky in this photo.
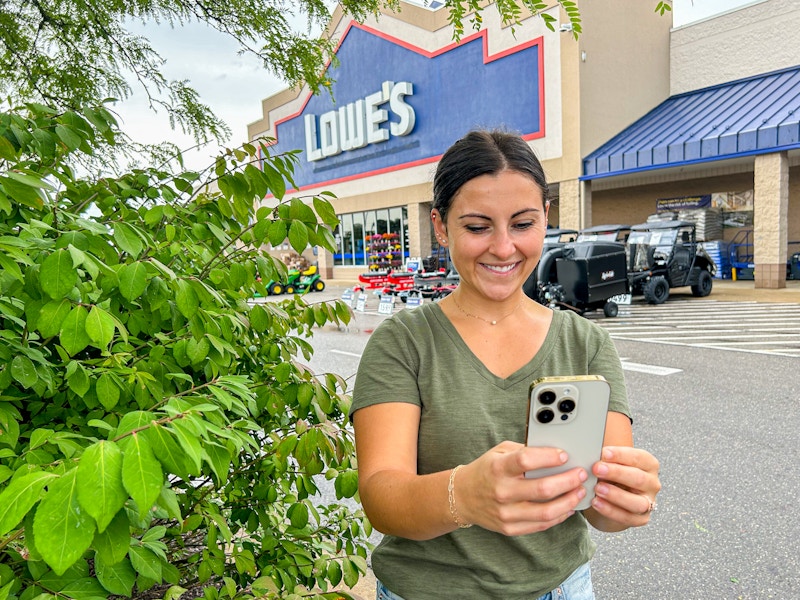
(233, 86)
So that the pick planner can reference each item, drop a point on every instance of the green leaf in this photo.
(73, 334)
(52, 316)
(100, 327)
(127, 239)
(100, 488)
(277, 233)
(22, 193)
(132, 280)
(19, 497)
(190, 444)
(117, 578)
(63, 530)
(298, 236)
(69, 138)
(334, 573)
(23, 371)
(141, 472)
(111, 546)
(146, 563)
(346, 484)
(298, 515)
(9, 266)
(326, 211)
(57, 275)
(186, 299)
(107, 391)
(350, 572)
(299, 210)
(168, 451)
(79, 382)
(197, 350)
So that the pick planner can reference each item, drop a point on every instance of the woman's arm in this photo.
(491, 491)
(627, 480)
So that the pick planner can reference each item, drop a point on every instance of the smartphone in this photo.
(569, 413)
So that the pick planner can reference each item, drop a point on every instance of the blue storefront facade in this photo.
(600, 113)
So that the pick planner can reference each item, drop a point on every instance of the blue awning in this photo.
(750, 116)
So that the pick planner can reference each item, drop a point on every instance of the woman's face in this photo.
(495, 231)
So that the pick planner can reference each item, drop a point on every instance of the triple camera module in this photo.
(556, 406)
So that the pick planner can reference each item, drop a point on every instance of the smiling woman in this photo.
(440, 401)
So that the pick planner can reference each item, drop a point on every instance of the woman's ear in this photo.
(439, 228)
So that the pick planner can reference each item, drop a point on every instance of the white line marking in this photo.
(346, 353)
(650, 369)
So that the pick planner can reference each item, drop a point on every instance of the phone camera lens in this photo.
(567, 405)
(545, 416)
(547, 397)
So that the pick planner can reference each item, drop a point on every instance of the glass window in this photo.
(347, 239)
(358, 239)
(337, 236)
(382, 216)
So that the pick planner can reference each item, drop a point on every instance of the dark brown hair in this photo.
(482, 152)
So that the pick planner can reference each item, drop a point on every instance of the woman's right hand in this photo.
(493, 492)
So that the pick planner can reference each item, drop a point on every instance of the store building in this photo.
(631, 119)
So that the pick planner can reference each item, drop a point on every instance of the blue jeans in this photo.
(577, 586)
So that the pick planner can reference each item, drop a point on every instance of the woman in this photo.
(440, 399)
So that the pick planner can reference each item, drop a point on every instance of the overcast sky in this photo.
(233, 86)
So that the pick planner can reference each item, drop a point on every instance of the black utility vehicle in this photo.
(664, 255)
(583, 276)
(554, 237)
(607, 233)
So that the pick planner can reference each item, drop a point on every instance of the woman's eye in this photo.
(524, 225)
(476, 228)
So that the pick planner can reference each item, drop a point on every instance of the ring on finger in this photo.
(651, 504)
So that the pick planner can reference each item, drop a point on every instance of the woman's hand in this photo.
(493, 492)
(626, 489)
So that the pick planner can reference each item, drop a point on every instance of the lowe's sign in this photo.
(393, 105)
(360, 123)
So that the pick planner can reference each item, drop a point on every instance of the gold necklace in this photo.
(490, 322)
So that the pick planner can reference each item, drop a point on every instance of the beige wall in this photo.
(625, 73)
(755, 39)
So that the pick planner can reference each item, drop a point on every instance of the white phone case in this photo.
(569, 413)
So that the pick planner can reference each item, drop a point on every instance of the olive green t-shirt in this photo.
(417, 356)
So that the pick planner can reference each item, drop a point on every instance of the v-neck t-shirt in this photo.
(417, 356)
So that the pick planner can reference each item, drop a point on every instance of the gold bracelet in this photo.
(451, 497)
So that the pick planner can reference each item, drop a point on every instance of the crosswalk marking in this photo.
(761, 328)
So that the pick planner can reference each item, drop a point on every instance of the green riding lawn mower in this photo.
(297, 282)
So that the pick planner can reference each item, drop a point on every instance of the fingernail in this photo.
(602, 469)
(601, 489)
(583, 476)
(607, 454)
(581, 493)
(564, 457)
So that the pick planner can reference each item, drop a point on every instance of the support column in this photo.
(574, 204)
(770, 219)
(419, 229)
(324, 263)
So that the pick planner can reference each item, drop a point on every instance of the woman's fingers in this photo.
(629, 483)
(503, 499)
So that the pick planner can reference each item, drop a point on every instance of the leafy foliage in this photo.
(159, 434)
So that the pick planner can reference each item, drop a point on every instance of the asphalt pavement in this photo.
(734, 530)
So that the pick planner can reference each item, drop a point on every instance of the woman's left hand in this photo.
(626, 489)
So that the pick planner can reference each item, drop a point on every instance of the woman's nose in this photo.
(502, 244)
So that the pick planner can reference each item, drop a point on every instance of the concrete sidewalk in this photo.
(727, 290)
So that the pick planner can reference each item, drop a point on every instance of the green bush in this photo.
(159, 434)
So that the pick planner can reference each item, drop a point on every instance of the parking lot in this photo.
(723, 419)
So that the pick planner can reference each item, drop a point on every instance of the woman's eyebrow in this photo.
(515, 215)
